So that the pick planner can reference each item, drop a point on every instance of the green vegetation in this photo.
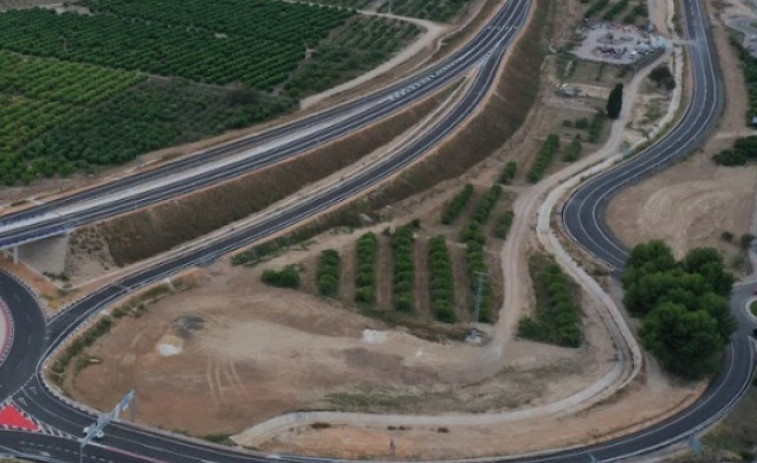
(403, 246)
(753, 308)
(616, 8)
(351, 4)
(145, 118)
(475, 239)
(684, 305)
(288, 277)
(485, 207)
(744, 150)
(574, 150)
(503, 224)
(595, 8)
(639, 11)
(557, 319)
(441, 280)
(615, 102)
(328, 273)
(596, 126)
(749, 69)
(662, 76)
(435, 10)
(365, 279)
(80, 98)
(361, 45)
(508, 173)
(78, 345)
(544, 158)
(456, 206)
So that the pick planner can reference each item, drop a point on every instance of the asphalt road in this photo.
(195, 172)
(124, 442)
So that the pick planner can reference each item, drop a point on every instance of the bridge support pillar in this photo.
(15, 254)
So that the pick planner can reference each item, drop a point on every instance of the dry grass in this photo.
(137, 236)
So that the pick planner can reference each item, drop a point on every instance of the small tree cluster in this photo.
(544, 158)
(287, 277)
(557, 320)
(328, 273)
(662, 76)
(485, 207)
(475, 239)
(574, 150)
(687, 318)
(403, 246)
(744, 149)
(456, 206)
(441, 280)
(365, 279)
(596, 126)
(508, 173)
(503, 224)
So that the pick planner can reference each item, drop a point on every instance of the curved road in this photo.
(124, 442)
(262, 150)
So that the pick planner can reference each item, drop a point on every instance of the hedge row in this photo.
(544, 158)
(503, 224)
(485, 207)
(328, 273)
(287, 277)
(365, 279)
(508, 173)
(403, 246)
(574, 150)
(557, 319)
(78, 345)
(441, 280)
(458, 203)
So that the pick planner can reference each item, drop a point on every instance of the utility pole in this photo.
(474, 337)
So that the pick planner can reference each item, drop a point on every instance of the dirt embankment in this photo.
(140, 235)
(136, 236)
(694, 202)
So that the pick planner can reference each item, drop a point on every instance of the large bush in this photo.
(328, 273)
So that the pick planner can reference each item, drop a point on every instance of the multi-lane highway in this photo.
(21, 374)
(252, 153)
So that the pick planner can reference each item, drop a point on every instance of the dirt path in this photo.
(427, 40)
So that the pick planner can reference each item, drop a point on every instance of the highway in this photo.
(21, 373)
(252, 153)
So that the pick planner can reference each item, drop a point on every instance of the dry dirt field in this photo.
(693, 203)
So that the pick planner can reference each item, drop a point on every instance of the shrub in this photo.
(456, 206)
(328, 273)
(365, 278)
(508, 173)
(288, 277)
(486, 205)
(574, 150)
(503, 224)
(403, 246)
(544, 158)
(441, 280)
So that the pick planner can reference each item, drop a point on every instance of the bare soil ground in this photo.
(693, 203)
(259, 352)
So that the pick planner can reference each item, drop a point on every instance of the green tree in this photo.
(650, 257)
(615, 102)
(687, 343)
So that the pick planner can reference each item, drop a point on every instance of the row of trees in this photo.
(435, 10)
(486, 205)
(457, 205)
(403, 247)
(297, 23)
(684, 306)
(365, 278)
(441, 280)
(329, 264)
(154, 47)
(557, 319)
(544, 159)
